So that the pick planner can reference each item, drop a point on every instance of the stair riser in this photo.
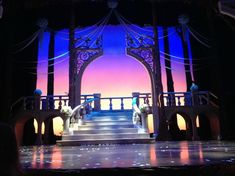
(106, 128)
(105, 136)
(107, 123)
(100, 127)
(114, 131)
(108, 118)
(121, 141)
(113, 114)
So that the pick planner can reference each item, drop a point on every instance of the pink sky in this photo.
(114, 73)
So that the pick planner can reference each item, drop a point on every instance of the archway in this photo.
(209, 127)
(53, 129)
(115, 76)
(25, 130)
(113, 67)
(114, 52)
(183, 130)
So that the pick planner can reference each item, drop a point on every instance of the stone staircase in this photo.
(106, 127)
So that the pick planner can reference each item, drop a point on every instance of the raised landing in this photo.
(106, 127)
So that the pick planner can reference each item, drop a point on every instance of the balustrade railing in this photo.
(123, 103)
(115, 103)
(170, 99)
(201, 98)
(146, 97)
(55, 102)
(50, 102)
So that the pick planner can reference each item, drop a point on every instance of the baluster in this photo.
(178, 99)
(60, 102)
(65, 102)
(167, 101)
(52, 100)
(110, 104)
(185, 100)
(171, 100)
(147, 99)
(47, 102)
(200, 100)
(90, 107)
(33, 105)
(122, 104)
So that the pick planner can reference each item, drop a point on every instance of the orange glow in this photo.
(58, 126)
(35, 123)
(181, 122)
(200, 153)
(150, 123)
(153, 155)
(184, 154)
(34, 160)
(56, 161)
(197, 122)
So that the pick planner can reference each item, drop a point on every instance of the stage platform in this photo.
(161, 158)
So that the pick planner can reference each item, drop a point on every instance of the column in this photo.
(195, 132)
(39, 135)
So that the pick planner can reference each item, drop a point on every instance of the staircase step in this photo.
(106, 136)
(102, 131)
(108, 141)
(108, 122)
(106, 127)
(114, 126)
(107, 112)
(108, 118)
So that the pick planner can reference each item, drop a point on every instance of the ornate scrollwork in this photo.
(137, 41)
(144, 54)
(86, 55)
(88, 42)
(87, 49)
(140, 47)
(83, 55)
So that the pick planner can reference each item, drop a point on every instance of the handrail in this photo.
(175, 92)
(45, 96)
(104, 98)
(213, 95)
(77, 108)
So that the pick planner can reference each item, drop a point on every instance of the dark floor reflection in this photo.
(125, 156)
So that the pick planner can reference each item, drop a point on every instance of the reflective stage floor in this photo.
(164, 158)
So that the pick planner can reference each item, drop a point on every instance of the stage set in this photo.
(109, 90)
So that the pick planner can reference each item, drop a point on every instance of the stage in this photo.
(164, 158)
